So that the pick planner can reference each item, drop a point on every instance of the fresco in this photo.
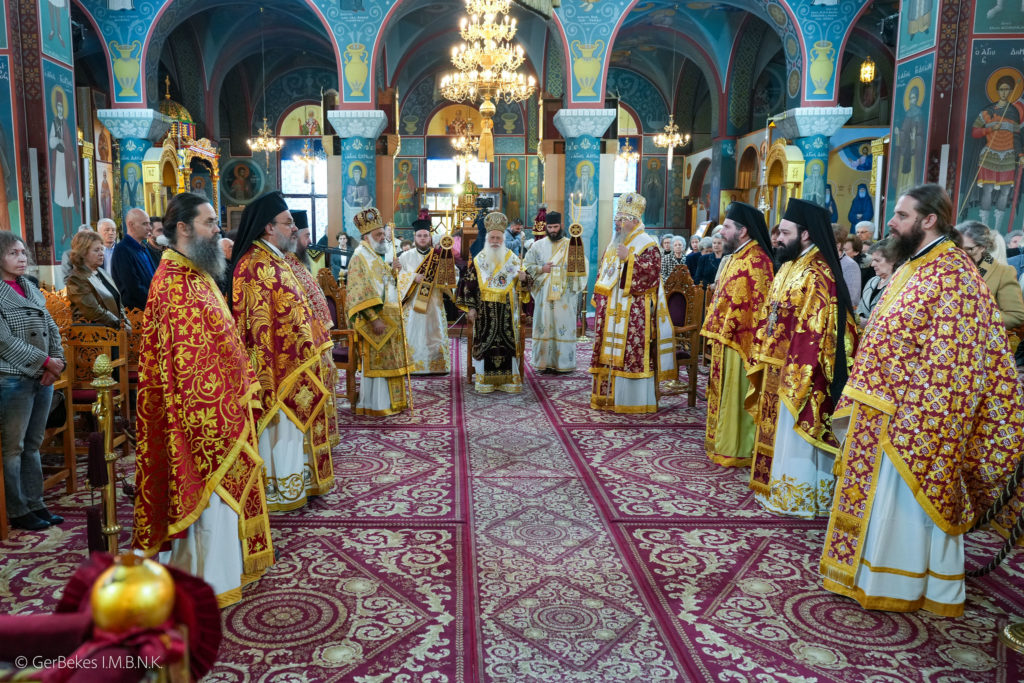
(582, 163)
(201, 183)
(917, 27)
(105, 189)
(911, 104)
(65, 189)
(304, 121)
(55, 29)
(652, 187)
(407, 173)
(514, 185)
(10, 197)
(241, 181)
(358, 180)
(990, 183)
(999, 16)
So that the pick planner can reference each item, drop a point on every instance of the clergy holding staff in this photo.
(427, 275)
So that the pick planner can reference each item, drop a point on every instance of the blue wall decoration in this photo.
(513, 182)
(652, 187)
(358, 180)
(911, 99)
(412, 147)
(62, 150)
(241, 181)
(582, 166)
(589, 28)
(10, 196)
(823, 26)
(508, 144)
(917, 27)
(406, 180)
(642, 97)
(999, 17)
(55, 29)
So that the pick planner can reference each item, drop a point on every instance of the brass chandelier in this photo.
(265, 141)
(486, 66)
(670, 136)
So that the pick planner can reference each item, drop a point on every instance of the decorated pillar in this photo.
(810, 128)
(582, 130)
(135, 130)
(358, 130)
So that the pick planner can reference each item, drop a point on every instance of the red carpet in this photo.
(528, 538)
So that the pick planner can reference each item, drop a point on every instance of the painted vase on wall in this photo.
(586, 66)
(410, 123)
(356, 68)
(822, 66)
(509, 121)
(126, 66)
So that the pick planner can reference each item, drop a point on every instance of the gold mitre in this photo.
(368, 220)
(495, 221)
(632, 204)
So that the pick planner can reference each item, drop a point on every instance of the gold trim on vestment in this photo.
(895, 604)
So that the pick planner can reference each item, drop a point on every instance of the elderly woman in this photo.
(883, 262)
(1001, 279)
(674, 258)
(707, 267)
(693, 258)
(94, 297)
(31, 359)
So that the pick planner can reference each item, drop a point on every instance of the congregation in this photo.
(836, 393)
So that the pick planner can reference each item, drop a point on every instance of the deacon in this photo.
(805, 338)
(730, 325)
(198, 473)
(932, 421)
(375, 313)
(556, 288)
(427, 276)
(322, 323)
(488, 292)
(634, 347)
(281, 336)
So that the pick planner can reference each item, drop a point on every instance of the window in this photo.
(304, 181)
(445, 173)
(625, 176)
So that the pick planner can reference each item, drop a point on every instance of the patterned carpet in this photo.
(526, 538)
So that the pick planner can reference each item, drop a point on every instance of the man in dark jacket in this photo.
(131, 265)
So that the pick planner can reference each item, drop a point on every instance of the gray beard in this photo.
(208, 257)
(302, 254)
(379, 247)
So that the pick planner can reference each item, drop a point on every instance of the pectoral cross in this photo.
(773, 317)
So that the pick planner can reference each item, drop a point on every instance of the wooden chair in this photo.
(60, 311)
(685, 308)
(345, 352)
(86, 343)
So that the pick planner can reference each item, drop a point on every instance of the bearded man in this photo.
(488, 292)
(933, 424)
(634, 347)
(375, 313)
(731, 325)
(806, 337)
(198, 473)
(280, 333)
(422, 286)
(555, 295)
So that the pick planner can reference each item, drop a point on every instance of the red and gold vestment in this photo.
(197, 434)
(934, 389)
(281, 337)
(732, 321)
(794, 360)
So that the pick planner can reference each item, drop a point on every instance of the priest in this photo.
(730, 325)
(426, 278)
(555, 291)
(280, 334)
(198, 473)
(375, 313)
(634, 347)
(489, 293)
(804, 342)
(322, 323)
(932, 421)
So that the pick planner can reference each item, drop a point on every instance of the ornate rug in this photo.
(526, 538)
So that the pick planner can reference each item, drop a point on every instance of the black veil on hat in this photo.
(817, 221)
(301, 218)
(753, 220)
(553, 218)
(252, 227)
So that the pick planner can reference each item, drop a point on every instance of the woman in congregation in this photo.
(707, 267)
(883, 261)
(674, 258)
(91, 291)
(31, 360)
(1001, 279)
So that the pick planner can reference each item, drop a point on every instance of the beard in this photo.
(301, 252)
(788, 251)
(556, 236)
(378, 246)
(207, 255)
(730, 246)
(163, 241)
(905, 245)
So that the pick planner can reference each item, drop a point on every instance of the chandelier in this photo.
(466, 147)
(265, 141)
(486, 66)
(670, 136)
(628, 153)
(308, 158)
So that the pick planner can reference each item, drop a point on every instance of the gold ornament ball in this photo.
(133, 593)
